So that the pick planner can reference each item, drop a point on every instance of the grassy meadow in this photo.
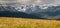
(9, 22)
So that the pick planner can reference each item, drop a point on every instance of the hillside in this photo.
(37, 11)
(9, 22)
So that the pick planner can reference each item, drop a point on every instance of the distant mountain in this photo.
(52, 12)
(31, 11)
(18, 14)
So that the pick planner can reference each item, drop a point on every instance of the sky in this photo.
(31, 1)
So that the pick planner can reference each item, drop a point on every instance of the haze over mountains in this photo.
(49, 9)
(37, 11)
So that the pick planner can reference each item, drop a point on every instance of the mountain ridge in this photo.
(50, 12)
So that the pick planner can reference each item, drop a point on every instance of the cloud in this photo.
(32, 1)
(7, 1)
(38, 1)
(51, 1)
(29, 1)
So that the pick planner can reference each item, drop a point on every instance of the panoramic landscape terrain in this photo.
(42, 9)
(29, 13)
(10, 22)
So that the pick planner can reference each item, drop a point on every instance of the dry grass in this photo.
(6, 22)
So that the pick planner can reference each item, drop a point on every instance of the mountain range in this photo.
(31, 11)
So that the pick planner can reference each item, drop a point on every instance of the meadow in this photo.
(10, 22)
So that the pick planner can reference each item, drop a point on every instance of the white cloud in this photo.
(39, 1)
(7, 1)
(32, 1)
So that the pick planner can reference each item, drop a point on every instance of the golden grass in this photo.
(7, 22)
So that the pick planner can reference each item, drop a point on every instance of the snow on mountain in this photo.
(27, 8)
(44, 11)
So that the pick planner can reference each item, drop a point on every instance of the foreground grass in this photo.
(6, 22)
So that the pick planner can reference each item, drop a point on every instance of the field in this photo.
(9, 22)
